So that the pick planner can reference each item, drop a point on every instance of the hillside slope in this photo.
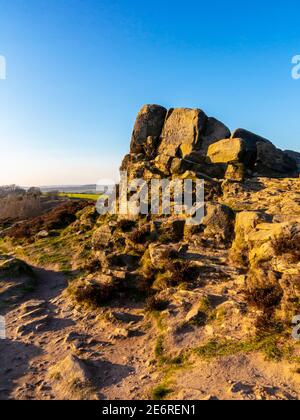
(150, 307)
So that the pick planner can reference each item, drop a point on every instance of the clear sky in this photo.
(79, 70)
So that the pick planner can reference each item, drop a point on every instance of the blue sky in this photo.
(79, 70)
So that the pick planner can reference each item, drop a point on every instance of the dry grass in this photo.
(264, 298)
(288, 246)
(91, 295)
(140, 235)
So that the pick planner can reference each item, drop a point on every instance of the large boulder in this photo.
(264, 158)
(182, 131)
(148, 128)
(245, 224)
(295, 156)
(189, 132)
(272, 162)
(250, 138)
(219, 222)
(214, 131)
(226, 151)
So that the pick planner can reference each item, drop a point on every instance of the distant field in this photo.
(93, 197)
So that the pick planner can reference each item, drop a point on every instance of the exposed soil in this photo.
(123, 367)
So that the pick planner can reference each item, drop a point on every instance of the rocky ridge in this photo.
(170, 142)
(155, 308)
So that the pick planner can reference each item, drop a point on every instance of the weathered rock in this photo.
(120, 333)
(34, 325)
(218, 222)
(72, 379)
(295, 156)
(182, 131)
(251, 141)
(250, 138)
(196, 315)
(126, 317)
(166, 143)
(157, 253)
(42, 234)
(32, 305)
(200, 168)
(228, 150)
(102, 236)
(290, 304)
(117, 259)
(272, 162)
(214, 131)
(149, 124)
(262, 156)
(163, 163)
(235, 172)
(245, 224)
(100, 280)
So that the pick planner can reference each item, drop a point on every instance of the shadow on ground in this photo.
(14, 363)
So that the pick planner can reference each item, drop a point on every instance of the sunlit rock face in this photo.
(171, 142)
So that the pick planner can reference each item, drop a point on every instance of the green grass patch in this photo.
(270, 346)
(159, 347)
(52, 251)
(92, 197)
(161, 392)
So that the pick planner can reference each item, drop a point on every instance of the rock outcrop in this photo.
(169, 143)
(152, 299)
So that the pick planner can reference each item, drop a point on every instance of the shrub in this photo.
(288, 245)
(265, 298)
(92, 295)
(159, 348)
(58, 218)
(263, 289)
(170, 254)
(160, 392)
(153, 303)
(93, 266)
(140, 235)
(126, 225)
(167, 238)
(181, 271)
(266, 323)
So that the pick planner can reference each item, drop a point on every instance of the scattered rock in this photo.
(119, 333)
(72, 379)
(34, 325)
(126, 317)
(42, 234)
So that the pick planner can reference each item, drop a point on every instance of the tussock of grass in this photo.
(161, 392)
(289, 246)
(153, 303)
(159, 348)
(92, 295)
